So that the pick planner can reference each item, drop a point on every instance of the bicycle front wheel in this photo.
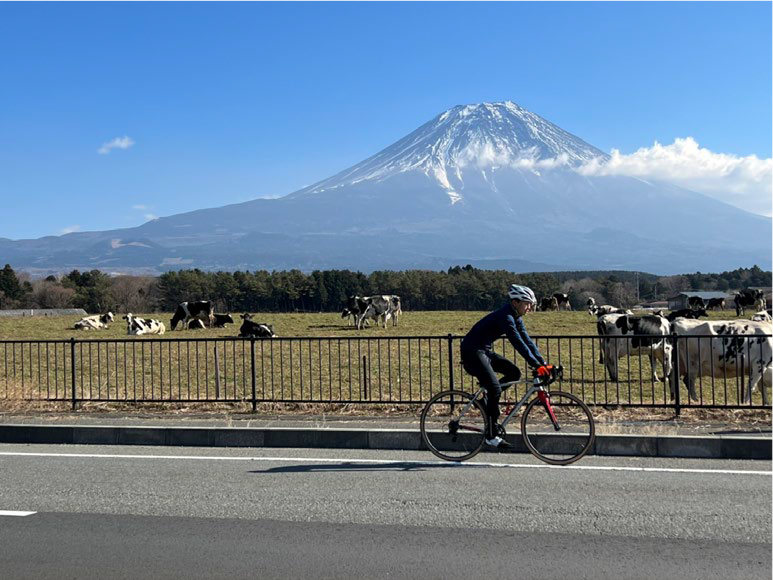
(565, 436)
(453, 425)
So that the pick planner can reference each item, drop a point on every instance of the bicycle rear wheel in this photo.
(453, 425)
(563, 438)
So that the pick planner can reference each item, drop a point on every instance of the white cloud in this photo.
(745, 182)
(151, 216)
(140, 207)
(69, 230)
(117, 143)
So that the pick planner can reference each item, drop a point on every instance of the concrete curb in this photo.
(703, 446)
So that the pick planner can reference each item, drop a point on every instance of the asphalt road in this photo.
(156, 512)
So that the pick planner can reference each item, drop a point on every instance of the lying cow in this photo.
(725, 348)
(250, 329)
(196, 324)
(749, 299)
(687, 313)
(221, 320)
(762, 316)
(187, 311)
(604, 309)
(381, 308)
(645, 335)
(562, 301)
(94, 322)
(136, 326)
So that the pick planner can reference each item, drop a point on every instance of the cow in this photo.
(222, 319)
(591, 305)
(94, 322)
(645, 335)
(351, 316)
(187, 311)
(136, 326)
(548, 304)
(715, 303)
(382, 307)
(696, 303)
(749, 299)
(562, 301)
(725, 349)
(609, 309)
(355, 309)
(250, 329)
(762, 316)
(196, 324)
(687, 313)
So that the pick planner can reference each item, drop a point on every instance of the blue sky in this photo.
(113, 113)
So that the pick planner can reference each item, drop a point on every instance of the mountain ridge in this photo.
(477, 182)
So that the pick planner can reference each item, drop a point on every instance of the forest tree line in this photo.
(458, 288)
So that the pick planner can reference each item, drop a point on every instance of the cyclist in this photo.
(479, 359)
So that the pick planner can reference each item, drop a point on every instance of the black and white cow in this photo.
(222, 319)
(136, 326)
(196, 324)
(187, 311)
(749, 298)
(640, 335)
(546, 304)
(696, 303)
(562, 300)
(382, 308)
(715, 303)
(591, 305)
(608, 309)
(250, 329)
(94, 322)
(762, 316)
(687, 313)
(725, 349)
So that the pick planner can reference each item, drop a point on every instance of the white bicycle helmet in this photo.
(522, 293)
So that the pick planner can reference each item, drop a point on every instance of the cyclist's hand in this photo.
(543, 371)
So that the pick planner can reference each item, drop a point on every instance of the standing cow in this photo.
(204, 310)
(749, 298)
(725, 349)
(548, 304)
(715, 303)
(562, 301)
(638, 335)
(382, 308)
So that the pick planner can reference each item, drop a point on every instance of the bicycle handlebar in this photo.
(556, 372)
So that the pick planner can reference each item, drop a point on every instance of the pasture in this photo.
(317, 358)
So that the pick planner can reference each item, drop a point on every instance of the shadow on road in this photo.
(344, 466)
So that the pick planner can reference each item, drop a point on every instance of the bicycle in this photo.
(557, 427)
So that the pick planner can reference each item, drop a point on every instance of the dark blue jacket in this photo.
(492, 326)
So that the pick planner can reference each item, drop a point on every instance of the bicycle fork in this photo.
(545, 400)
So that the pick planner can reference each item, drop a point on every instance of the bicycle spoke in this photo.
(563, 437)
(452, 428)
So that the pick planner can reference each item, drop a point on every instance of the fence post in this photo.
(675, 373)
(450, 362)
(72, 369)
(252, 367)
(364, 378)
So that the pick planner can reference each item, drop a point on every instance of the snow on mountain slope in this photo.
(480, 136)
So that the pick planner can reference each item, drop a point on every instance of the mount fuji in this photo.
(489, 184)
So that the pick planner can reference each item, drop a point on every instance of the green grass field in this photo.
(317, 358)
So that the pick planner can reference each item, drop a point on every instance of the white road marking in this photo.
(434, 463)
(12, 513)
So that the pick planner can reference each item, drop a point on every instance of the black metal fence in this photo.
(394, 370)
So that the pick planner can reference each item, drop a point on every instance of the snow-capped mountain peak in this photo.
(478, 135)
